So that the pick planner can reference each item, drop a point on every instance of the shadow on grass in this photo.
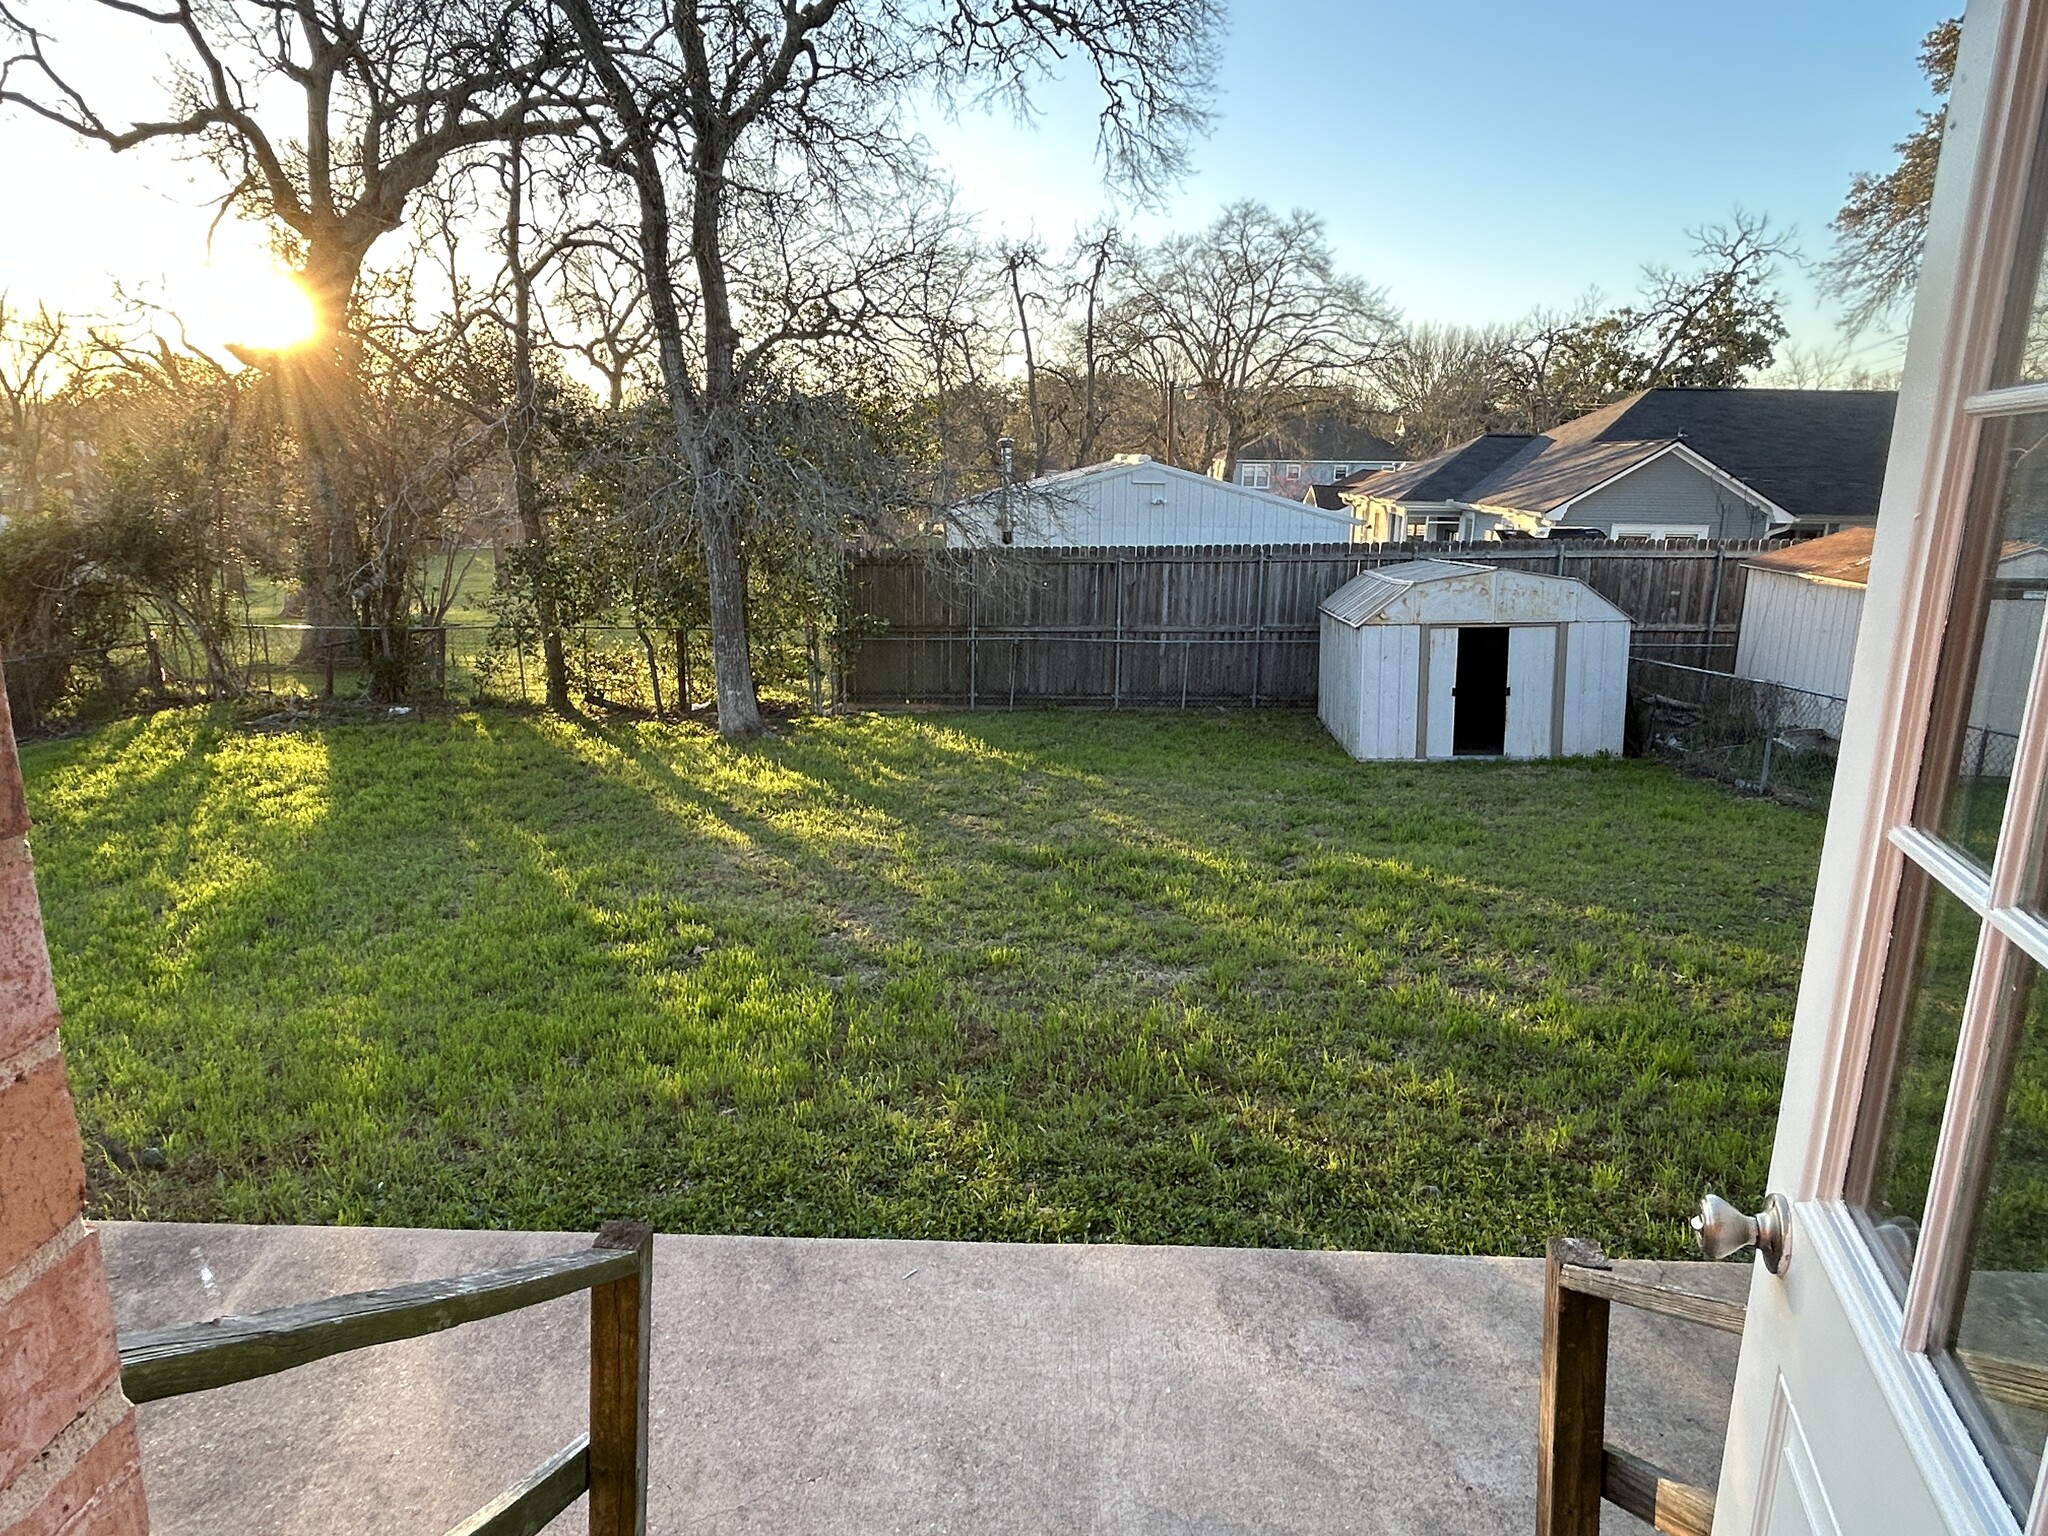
(1038, 977)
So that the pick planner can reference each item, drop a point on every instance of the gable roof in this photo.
(1321, 437)
(1446, 476)
(1815, 453)
(1417, 590)
(1371, 591)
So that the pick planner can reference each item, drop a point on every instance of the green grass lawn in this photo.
(1045, 976)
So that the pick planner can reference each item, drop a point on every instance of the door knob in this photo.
(1723, 1231)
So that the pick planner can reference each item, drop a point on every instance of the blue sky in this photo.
(1480, 157)
(1476, 157)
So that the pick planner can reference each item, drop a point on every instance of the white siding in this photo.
(2005, 665)
(1532, 679)
(1393, 675)
(1798, 631)
(1338, 689)
(1125, 505)
(1595, 688)
(1443, 702)
(1801, 632)
(1367, 690)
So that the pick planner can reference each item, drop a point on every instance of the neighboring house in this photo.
(1802, 606)
(1317, 451)
(1660, 464)
(1134, 500)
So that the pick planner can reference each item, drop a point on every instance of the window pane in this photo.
(1994, 629)
(1934, 944)
(2023, 349)
(2001, 1332)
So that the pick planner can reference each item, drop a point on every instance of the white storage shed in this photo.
(1438, 658)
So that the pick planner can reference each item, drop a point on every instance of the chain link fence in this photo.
(611, 668)
(1761, 737)
(1765, 737)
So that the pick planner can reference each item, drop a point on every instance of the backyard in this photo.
(1190, 978)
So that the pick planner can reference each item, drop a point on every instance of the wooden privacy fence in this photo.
(609, 1462)
(1154, 627)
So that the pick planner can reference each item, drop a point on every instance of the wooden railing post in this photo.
(1572, 1407)
(620, 1311)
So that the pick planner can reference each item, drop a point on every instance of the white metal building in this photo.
(1437, 659)
(1134, 500)
(1803, 605)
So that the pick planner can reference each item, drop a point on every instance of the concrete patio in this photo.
(815, 1386)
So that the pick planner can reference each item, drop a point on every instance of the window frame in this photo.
(1989, 159)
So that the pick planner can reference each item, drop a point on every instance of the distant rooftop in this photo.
(1815, 453)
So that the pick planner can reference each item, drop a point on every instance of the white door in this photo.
(1439, 692)
(1894, 1373)
(1532, 680)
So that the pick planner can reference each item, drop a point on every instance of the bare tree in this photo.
(604, 316)
(1447, 383)
(1092, 263)
(1255, 310)
(775, 126)
(45, 360)
(382, 95)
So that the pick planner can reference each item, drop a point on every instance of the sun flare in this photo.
(251, 304)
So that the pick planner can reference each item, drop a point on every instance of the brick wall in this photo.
(69, 1464)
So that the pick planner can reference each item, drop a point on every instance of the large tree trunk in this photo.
(320, 386)
(526, 489)
(732, 664)
(719, 472)
(703, 419)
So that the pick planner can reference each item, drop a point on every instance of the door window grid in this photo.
(1998, 895)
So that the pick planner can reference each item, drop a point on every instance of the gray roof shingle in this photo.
(1817, 453)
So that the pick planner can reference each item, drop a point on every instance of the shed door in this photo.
(1532, 680)
(1439, 693)
(1894, 1372)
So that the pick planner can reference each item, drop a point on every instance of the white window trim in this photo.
(1698, 531)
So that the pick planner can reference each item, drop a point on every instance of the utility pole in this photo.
(1007, 447)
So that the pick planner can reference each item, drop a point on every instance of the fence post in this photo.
(1571, 1422)
(1116, 669)
(1258, 626)
(1714, 611)
(621, 1313)
(973, 639)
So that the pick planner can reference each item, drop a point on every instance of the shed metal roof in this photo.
(1367, 593)
(1456, 592)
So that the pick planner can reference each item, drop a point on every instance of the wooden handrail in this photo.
(1631, 1483)
(1665, 1300)
(2011, 1381)
(196, 1357)
(1575, 1467)
(610, 1462)
(526, 1508)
